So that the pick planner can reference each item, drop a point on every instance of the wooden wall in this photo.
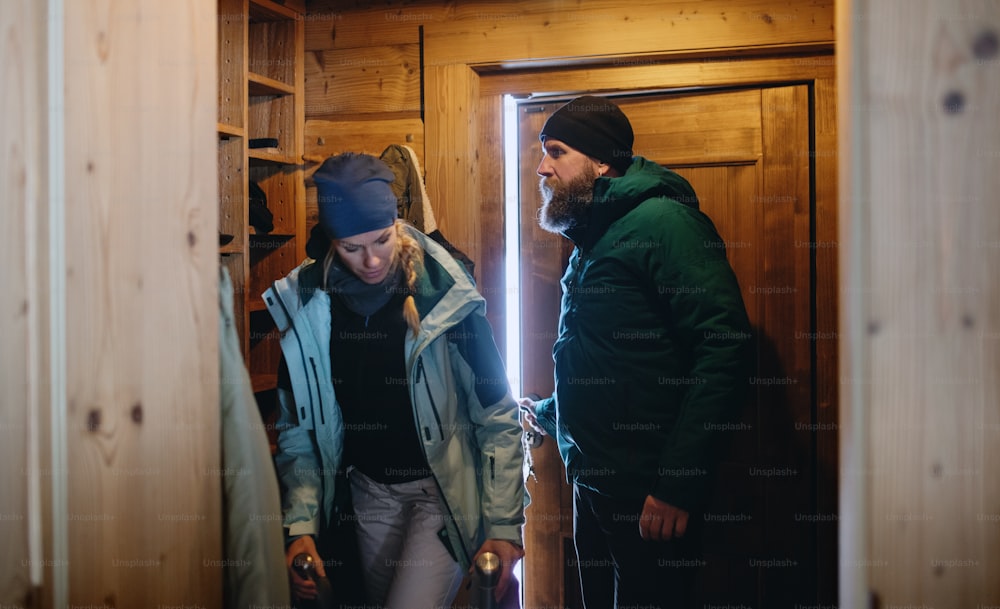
(920, 145)
(381, 73)
(110, 376)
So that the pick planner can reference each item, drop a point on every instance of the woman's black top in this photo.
(372, 388)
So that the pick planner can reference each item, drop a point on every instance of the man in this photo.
(652, 357)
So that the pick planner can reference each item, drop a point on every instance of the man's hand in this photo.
(509, 555)
(527, 406)
(661, 521)
(304, 589)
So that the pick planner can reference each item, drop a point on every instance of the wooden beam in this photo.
(658, 72)
(506, 32)
(452, 153)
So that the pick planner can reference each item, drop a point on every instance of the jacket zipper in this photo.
(298, 341)
(420, 377)
(319, 397)
(427, 387)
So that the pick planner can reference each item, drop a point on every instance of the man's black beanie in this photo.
(596, 127)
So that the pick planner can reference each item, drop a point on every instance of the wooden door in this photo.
(746, 152)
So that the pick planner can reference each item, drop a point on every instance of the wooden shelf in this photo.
(258, 84)
(261, 86)
(234, 247)
(271, 235)
(226, 131)
(271, 157)
(266, 10)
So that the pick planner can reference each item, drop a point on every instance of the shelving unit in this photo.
(261, 85)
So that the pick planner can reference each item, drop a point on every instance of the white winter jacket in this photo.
(462, 405)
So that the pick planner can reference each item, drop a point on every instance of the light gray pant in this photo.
(405, 563)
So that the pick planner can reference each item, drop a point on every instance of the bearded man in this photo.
(652, 360)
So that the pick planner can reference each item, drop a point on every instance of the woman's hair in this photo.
(410, 255)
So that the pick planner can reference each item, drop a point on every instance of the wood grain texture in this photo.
(24, 366)
(232, 50)
(372, 80)
(299, 126)
(142, 313)
(506, 32)
(492, 259)
(451, 154)
(334, 25)
(658, 72)
(925, 300)
(825, 246)
(324, 137)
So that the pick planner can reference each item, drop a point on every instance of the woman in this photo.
(393, 376)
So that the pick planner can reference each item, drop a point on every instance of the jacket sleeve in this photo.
(706, 314)
(252, 531)
(495, 417)
(297, 464)
(545, 413)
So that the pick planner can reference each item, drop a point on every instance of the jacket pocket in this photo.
(422, 379)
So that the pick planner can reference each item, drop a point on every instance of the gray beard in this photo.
(565, 206)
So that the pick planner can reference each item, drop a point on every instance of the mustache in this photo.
(547, 185)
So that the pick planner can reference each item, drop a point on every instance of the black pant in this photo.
(618, 569)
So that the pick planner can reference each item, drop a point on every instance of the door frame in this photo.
(464, 149)
(547, 464)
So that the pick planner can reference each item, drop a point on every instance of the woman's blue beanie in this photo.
(354, 195)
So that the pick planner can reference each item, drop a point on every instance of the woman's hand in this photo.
(304, 589)
(509, 554)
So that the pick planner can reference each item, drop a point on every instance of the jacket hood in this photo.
(615, 197)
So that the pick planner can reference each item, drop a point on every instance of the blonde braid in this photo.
(328, 260)
(411, 256)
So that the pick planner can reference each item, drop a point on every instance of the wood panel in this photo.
(492, 257)
(370, 80)
(24, 366)
(786, 416)
(326, 137)
(232, 53)
(825, 250)
(141, 246)
(657, 72)
(707, 136)
(504, 32)
(452, 152)
(920, 258)
(332, 24)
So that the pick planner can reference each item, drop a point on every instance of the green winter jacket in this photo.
(462, 406)
(654, 349)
